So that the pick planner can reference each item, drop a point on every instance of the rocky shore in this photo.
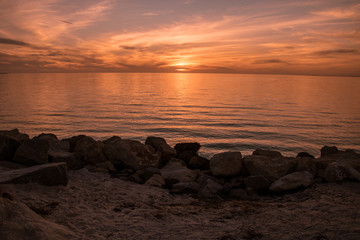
(80, 188)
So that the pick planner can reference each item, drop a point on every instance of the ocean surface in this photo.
(223, 112)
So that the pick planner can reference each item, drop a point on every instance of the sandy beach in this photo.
(97, 206)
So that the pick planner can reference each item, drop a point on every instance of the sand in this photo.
(96, 206)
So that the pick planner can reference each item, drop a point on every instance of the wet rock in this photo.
(292, 181)
(156, 181)
(159, 144)
(257, 183)
(32, 152)
(306, 164)
(88, 150)
(132, 154)
(198, 162)
(304, 155)
(15, 134)
(271, 168)
(227, 164)
(339, 171)
(267, 153)
(186, 187)
(176, 171)
(49, 174)
(8, 147)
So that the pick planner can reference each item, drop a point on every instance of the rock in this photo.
(32, 152)
(159, 144)
(211, 191)
(112, 139)
(257, 183)
(271, 168)
(15, 134)
(339, 171)
(197, 162)
(267, 153)
(105, 167)
(326, 150)
(306, 164)
(8, 148)
(156, 181)
(186, 187)
(61, 156)
(226, 164)
(54, 143)
(176, 171)
(89, 151)
(304, 155)
(292, 181)
(185, 151)
(132, 154)
(239, 194)
(146, 173)
(11, 165)
(19, 222)
(49, 174)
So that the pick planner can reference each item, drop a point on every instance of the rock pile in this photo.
(45, 159)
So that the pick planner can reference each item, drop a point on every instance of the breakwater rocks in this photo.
(46, 159)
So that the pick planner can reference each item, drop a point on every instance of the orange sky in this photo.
(318, 37)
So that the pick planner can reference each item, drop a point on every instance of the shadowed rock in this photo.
(227, 164)
(304, 154)
(326, 150)
(159, 144)
(15, 134)
(185, 151)
(186, 187)
(32, 152)
(176, 171)
(339, 171)
(306, 164)
(54, 143)
(49, 174)
(257, 183)
(292, 181)
(267, 153)
(88, 150)
(8, 147)
(332, 154)
(198, 162)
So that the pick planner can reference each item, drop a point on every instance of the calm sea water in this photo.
(220, 111)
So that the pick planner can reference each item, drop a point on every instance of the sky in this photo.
(317, 37)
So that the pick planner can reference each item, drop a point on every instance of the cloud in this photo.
(150, 14)
(338, 51)
(270, 61)
(13, 42)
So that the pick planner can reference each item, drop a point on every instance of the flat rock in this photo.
(32, 152)
(49, 174)
(271, 168)
(226, 164)
(8, 147)
(292, 181)
(132, 154)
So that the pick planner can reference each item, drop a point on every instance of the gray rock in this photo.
(32, 152)
(292, 181)
(8, 148)
(271, 168)
(15, 134)
(156, 181)
(159, 144)
(49, 174)
(227, 164)
(339, 171)
(89, 151)
(176, 171)
(257, 183)
(267, 153)
(197, 162)
(186, 187)
(132, 154)
(306, 164)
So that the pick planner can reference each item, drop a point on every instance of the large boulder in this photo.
(292, 181)
(332, 154)
(54, 143)
(32, 152)
(198, 162)
(15, 134)
(160, 145)
(8, 148)
(19, 222)
(176, 171)
(88, 150)
(49, 174)
(336, 171)
(271, 168)
(131, 154)
(226, 164)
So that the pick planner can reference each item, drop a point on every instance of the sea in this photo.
(222, 112)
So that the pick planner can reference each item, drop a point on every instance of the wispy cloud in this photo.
(13, 42)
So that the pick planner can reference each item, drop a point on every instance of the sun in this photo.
(182, 66)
